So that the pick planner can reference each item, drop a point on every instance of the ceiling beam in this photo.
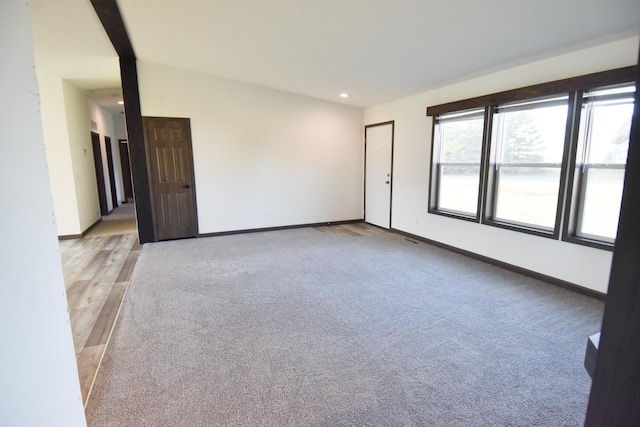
(111, 19)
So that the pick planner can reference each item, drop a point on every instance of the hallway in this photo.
(97, 269)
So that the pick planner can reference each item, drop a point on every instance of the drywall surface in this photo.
(104, 127)
(262, 158)
(577, 264)
(119, 126)
(56, 138)
(38, 379)
(79, 126)
(66, 119)
(120, 132)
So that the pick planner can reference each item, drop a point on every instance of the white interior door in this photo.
(379, 142)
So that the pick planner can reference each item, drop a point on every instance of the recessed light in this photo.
(344, 95)
(121, 102)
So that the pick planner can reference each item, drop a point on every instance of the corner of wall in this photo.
(58, 152)
(78, 123)
(580, 265)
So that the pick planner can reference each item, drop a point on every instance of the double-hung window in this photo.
(547, 159)
(601, 156)
(456, 159)
(527, 146)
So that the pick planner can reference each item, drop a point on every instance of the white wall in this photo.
(67, 114)
(38, 377)
(79, 127)
(577, 264)
(56, 136)
(67, 125)
(263, 158)
(105, 127)
(120, 132)
(119, 126)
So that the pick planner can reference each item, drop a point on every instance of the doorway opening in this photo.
(117, 210)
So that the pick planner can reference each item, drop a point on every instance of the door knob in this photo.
(386, 182)
(186, 186)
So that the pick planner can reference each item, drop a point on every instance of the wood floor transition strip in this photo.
(97, 271)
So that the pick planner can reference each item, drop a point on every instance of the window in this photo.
(456, 163)
(527, 146)
(601, 156)
(547, 159)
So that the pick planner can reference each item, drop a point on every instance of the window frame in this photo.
(492, 170)
(565, 219)
(435, 174)
(576, 187)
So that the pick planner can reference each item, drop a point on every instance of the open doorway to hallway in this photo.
(112, 170)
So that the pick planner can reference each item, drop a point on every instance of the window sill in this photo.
(453, 214)
(598, 244)
(550, 234)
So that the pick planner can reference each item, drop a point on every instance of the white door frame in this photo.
(392, 123)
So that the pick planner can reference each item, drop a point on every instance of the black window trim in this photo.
(434, 187)
(565, 221)
(575, 187)
(488, 215)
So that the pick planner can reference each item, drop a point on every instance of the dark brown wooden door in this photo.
(112, 174)
(171, 173)
(126, 171)
(97, 162)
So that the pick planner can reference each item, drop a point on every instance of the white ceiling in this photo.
(70, 43)
(375, 50)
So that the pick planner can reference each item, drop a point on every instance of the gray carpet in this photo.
(308, 327)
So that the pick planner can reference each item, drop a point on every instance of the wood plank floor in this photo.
(97, 271)
(352, 230)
